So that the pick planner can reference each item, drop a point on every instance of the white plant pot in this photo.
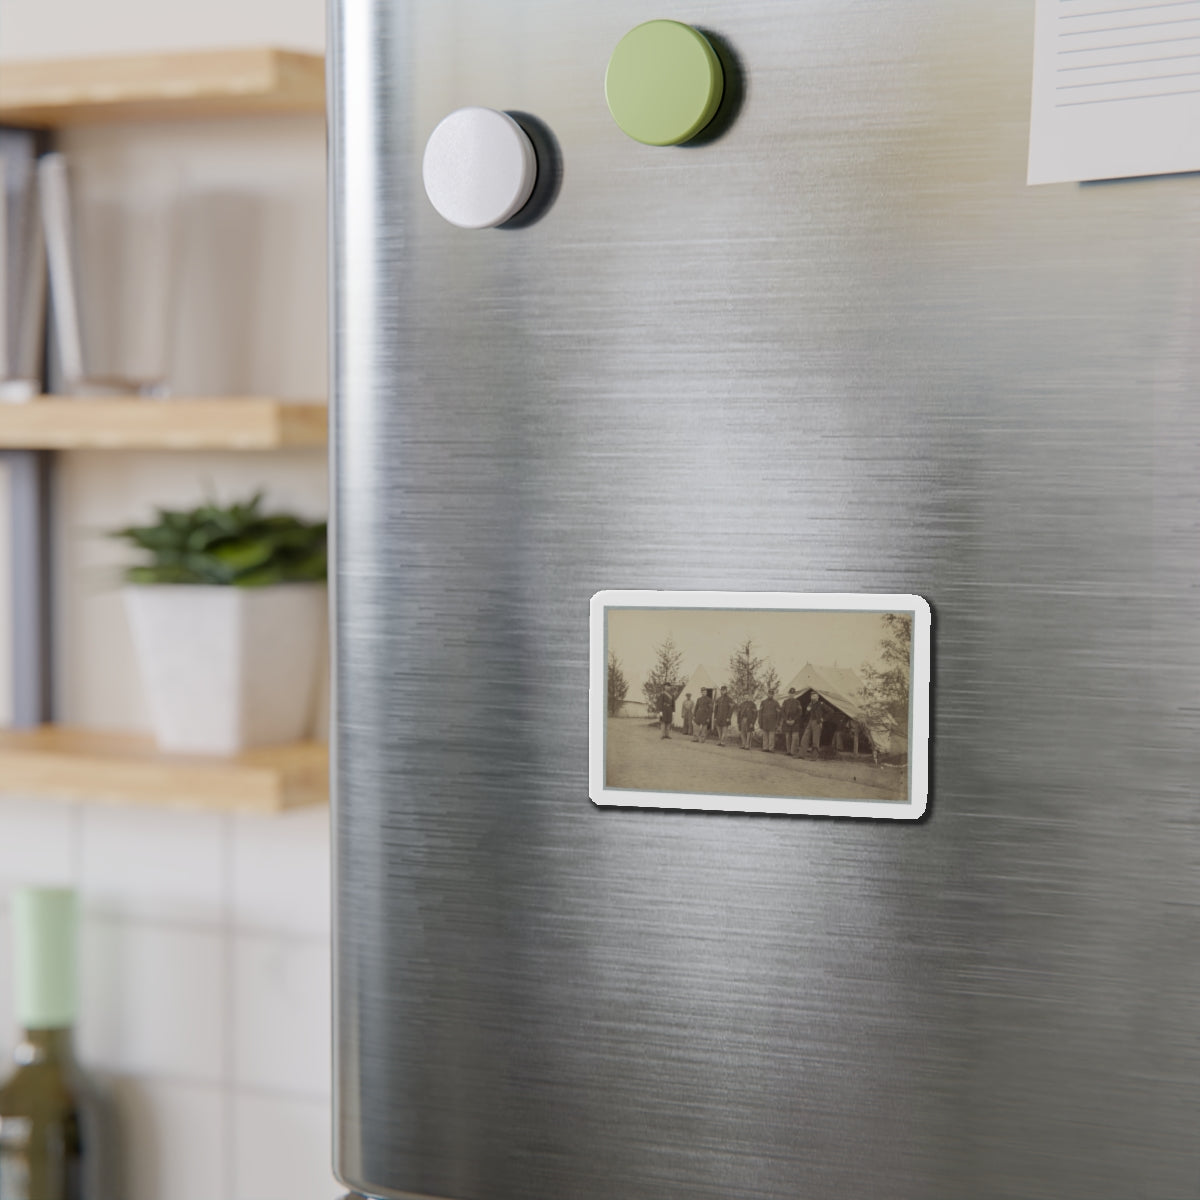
(227, 668)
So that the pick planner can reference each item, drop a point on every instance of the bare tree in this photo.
(618, 685)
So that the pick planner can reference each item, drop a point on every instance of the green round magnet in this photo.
(664, 83)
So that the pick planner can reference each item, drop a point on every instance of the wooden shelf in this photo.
(229, 423)
(77, 764)
(217, 83)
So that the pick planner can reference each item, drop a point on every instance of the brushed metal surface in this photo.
(841, 347)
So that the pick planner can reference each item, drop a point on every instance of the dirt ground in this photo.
(638, 757)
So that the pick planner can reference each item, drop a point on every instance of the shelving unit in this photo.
(227, 423)
(41, 759)
(79, 764)
(219, 83)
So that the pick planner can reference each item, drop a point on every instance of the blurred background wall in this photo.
(205, 945)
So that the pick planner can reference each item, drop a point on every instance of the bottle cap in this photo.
(44, 928)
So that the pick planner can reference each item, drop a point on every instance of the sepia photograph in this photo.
(760, 702)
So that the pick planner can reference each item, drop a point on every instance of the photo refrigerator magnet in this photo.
(760, 702)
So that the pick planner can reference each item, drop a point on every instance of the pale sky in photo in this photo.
(787, 640)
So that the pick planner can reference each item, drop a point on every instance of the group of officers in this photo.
(799, 723)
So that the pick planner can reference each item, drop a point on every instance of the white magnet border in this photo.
(919, 684)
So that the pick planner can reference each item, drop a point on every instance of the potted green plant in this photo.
(228, 622)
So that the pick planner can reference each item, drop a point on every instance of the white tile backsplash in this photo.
(281, 872)
(8, 1016)
(6, 637)
(154, 864)
(171, 1142)
(38, 842)
(204, 971)
(282, 1150)
(281, 1015)
(154, 1000)
(204, 977)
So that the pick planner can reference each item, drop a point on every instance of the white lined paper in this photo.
(1116, 89)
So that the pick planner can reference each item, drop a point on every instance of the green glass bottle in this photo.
(42, 1140)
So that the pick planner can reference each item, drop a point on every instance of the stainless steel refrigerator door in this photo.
(842, 347)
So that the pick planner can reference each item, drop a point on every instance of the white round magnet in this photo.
(479, 168)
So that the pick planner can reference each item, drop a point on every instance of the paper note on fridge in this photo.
(1116, 89)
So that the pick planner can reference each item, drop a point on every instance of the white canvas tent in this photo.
(701, 677)
(839, 685)
(842, 688)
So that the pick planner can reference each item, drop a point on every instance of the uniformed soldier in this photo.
(723, 714)
(747, 715)
(791, 713)
(666, 711)
(817, 712)
(702, 715)
(768, 721)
